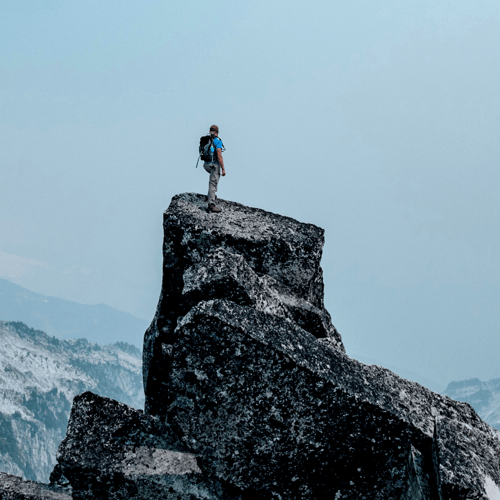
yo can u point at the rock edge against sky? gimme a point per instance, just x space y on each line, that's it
250 394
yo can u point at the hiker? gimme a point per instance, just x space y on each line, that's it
213 167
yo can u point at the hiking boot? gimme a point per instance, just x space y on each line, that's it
213 209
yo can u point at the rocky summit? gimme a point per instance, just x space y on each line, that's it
255 259
250 394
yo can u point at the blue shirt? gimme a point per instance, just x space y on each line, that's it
217 144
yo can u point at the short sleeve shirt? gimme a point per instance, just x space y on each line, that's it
217 144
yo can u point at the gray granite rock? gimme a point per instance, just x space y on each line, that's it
272 408
284 253
112 451
15 488
223 274
250 394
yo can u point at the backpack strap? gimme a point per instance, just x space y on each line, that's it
223 147
212 145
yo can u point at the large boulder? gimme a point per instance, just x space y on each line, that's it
112 451
15 488
245 254
246 377
269 407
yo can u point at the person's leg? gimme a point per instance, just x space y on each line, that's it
212 183
209 167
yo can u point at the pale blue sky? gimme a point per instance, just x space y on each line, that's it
376 120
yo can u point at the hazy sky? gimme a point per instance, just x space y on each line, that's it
376 120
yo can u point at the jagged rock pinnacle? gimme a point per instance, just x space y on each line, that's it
244 371
242 254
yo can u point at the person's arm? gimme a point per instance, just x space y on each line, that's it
221 160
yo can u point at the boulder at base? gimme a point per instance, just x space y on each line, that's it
15 488
112 451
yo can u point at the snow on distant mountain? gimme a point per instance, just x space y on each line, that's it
69 320
39 376
484 397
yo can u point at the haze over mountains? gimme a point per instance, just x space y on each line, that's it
39 376
69 320
484 397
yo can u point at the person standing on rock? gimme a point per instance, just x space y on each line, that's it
214 168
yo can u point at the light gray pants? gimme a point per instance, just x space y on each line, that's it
214 170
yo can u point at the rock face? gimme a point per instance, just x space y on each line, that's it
245 375
251 257
39 376
14 488
112 451
484 397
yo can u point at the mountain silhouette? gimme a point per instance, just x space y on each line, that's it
69 320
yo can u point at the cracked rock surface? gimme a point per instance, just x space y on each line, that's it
270 407
15 488
245 254
112 451
250 394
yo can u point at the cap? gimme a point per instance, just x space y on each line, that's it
214 128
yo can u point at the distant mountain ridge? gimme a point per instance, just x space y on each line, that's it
39 376
484 397
69 320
